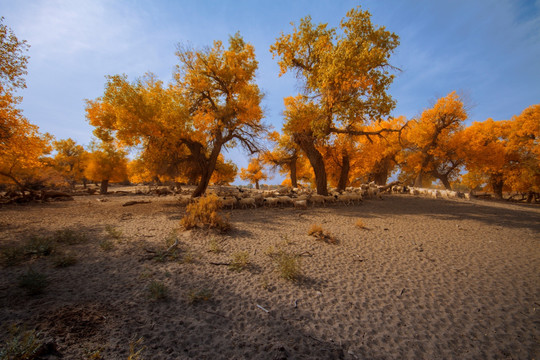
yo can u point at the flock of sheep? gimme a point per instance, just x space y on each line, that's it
238 198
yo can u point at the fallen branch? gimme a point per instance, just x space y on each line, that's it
129 203
219 263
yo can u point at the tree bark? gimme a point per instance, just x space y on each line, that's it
418 180
257 184
344 173
104 187
292 173
446 183
497 183
307 143
207 167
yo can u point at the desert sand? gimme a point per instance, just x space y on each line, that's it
426 279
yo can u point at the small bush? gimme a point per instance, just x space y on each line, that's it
239 261
106 245
215 247
288 266
21 345
65 260
40 246
13 255
113 232
158 290
33 282
360 224
197 296
203 213
318 232
69 237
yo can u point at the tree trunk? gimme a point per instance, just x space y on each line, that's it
257 184
418 180
344 173
306 143
446 183
104 186
496 182
207 167
292 173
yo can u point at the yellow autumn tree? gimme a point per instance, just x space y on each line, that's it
284 157
213 104
432 146
345 76
254 173
106 163
70 160
22 146
225 172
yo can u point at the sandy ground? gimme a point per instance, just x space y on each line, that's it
427 279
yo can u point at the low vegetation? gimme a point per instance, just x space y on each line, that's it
239 261
203 213
33 282
360 224
288 265
196 296
158 290
20 345
319 233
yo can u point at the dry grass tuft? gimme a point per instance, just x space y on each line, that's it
239 261
196 296
203 213
360 224
319 233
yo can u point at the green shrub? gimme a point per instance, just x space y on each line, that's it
158 290
40 246
239 261
33 282
106 245
288 266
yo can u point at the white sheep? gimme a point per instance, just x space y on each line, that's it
271 201
317 199
300 204
244 203
228 202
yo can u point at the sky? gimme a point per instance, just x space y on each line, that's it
487 50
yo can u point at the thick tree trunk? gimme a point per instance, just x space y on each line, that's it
344 173
292 173
381 175
418 180
446 183
306 143
207 167
496 182
104 187
257 184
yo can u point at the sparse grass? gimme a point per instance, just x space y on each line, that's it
288 266
21 345
69 237
203 213
40 246
106 245
196 296
33 282
319 233
113 232
13 255
239 261
215 246
93 354
188 258
360 224
64 260
158 290
135 354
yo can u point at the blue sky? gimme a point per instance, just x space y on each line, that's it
488 50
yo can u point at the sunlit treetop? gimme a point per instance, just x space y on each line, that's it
12 59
